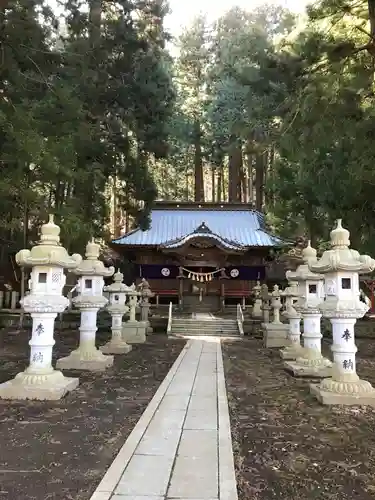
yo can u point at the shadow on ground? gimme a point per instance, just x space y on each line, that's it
60 450
286 445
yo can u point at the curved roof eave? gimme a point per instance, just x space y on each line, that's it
196 235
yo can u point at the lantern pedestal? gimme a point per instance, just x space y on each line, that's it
44 386
116 345
87 356
291 352
40 381
345 387
310 362
294 350
314 367
360 393
134 332
275 335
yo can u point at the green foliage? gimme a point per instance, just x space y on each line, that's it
81 103
325 148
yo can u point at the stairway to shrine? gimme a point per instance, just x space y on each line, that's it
205 324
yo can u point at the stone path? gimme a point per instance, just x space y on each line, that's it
181 447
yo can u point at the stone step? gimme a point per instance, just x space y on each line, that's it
211 324
203 322
204 327
196 327
211 328
206 334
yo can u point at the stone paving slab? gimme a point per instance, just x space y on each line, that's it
181 447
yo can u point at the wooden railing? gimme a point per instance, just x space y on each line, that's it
240 319
169 327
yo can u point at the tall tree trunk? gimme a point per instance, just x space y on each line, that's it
249 152
272 171
198 163
259 180
235 166
213 187
187 178
223 187
243 183
250 176
220 183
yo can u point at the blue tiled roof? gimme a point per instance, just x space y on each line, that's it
241 227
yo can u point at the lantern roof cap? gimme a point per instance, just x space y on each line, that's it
91 265
48 251
340 257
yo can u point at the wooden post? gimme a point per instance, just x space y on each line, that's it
222 296
180 293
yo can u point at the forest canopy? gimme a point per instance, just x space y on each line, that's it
99 117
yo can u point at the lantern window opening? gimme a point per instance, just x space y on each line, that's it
88 283
313 289
42 278
346 283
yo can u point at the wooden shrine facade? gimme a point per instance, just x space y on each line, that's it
201 254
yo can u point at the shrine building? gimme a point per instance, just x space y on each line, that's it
201 254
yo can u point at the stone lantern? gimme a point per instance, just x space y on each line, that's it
293 314
47 260
116 308
276 305
310 361
342 306
266 307
91 275
257 308
276 332
146 295
133 331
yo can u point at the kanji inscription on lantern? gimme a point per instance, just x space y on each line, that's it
346 335
39 329
347 364
38 357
